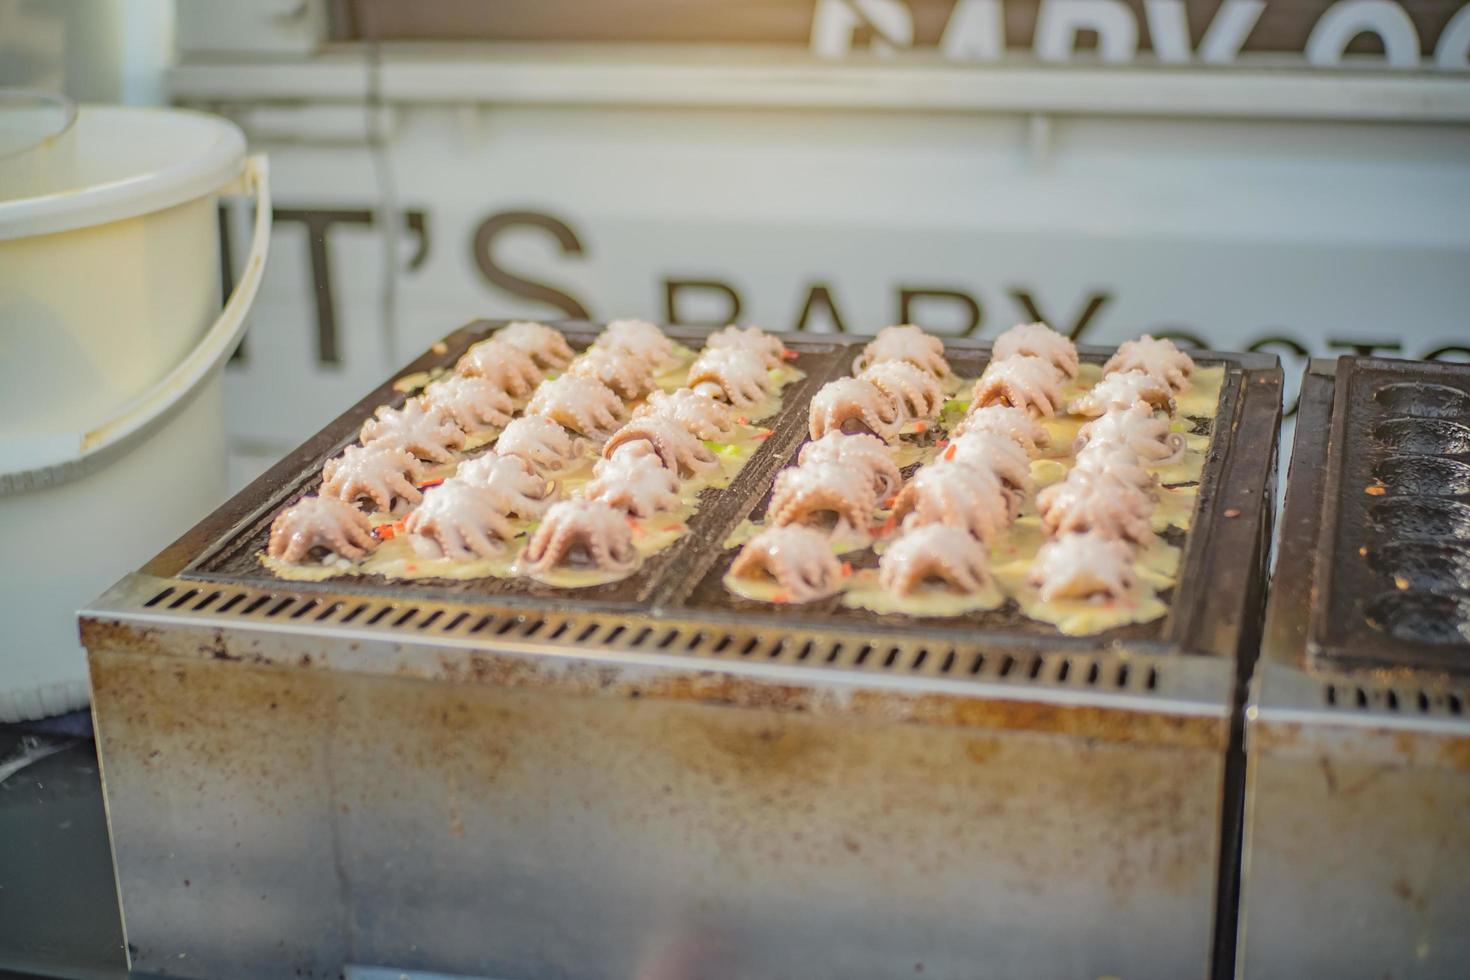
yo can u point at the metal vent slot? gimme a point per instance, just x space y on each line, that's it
895 655
159 598
254 604
1353 697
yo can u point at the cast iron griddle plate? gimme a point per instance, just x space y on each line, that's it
686 577
711 593
720 509
1395 590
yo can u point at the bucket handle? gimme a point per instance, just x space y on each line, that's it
29 464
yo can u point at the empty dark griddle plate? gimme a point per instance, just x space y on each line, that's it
1429 437
1431 476
1424 400
1421 617
1421 517
1424 566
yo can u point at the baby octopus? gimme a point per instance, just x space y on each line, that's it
521 491
635 481
1090 501
477 405
584 405
1038 340
1015 424
383 474
1084 566
912 392
630 377
588 532
731 374
545 446
545 346
1124 389
956 496
676 449
698 413
859 451
932 553
1004 459
769 348
640 339
1024 381
851 405
812 495
428 433
1114 461
1138 428
320 523
461 521
503 364
905 343
798 558
1159 359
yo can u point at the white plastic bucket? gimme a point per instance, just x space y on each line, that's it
112 342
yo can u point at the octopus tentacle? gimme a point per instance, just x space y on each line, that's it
1084 566
957 496
851 405
1037 340
1015 424
1000 456
1091 501
503 364
766 346
905 343
934 552
1114 461
639 339
544 345
634 480
629 377
582 531
460 520
677 450
731 374
515 482
1157 358
1138 428
320 523
865 452
809 494
584 405
383 474
477 405
912 392
798 558
428 433
1023 381
1124 389
545 446
702 416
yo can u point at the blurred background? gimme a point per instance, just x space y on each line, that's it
1291 177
